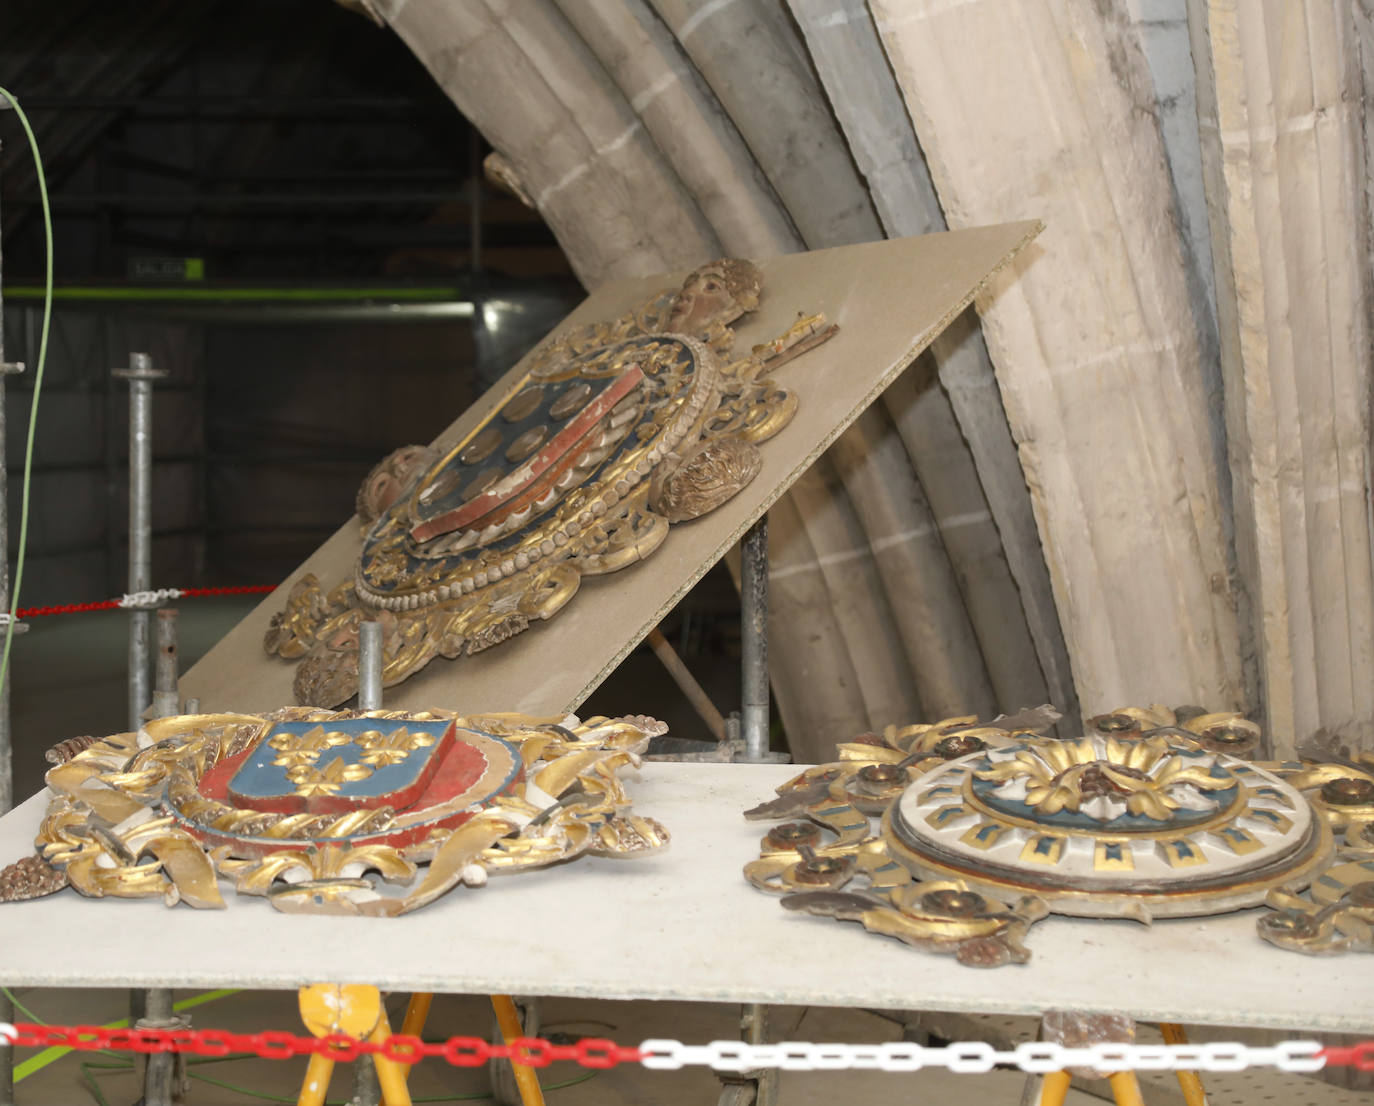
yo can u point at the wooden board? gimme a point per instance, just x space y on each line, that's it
679 925
890 299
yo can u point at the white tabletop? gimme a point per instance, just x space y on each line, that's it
679 925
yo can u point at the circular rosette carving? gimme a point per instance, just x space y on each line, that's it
389 478
328 675
1337 916
1101 826
1341 793
707 477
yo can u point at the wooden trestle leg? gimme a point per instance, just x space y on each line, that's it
508 1018
1189 1081
354 1010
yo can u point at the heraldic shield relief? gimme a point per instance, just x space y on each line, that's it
615 431
332 812
957 837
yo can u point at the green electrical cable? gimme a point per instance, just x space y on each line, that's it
37 383
88 1079
21 1007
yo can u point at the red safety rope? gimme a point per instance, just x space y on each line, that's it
237 589
115 604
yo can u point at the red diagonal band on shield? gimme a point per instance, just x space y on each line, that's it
561 448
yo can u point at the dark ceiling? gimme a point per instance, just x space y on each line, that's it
272 139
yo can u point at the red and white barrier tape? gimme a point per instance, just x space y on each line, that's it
969 1057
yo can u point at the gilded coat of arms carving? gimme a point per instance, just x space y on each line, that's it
615 431
334 812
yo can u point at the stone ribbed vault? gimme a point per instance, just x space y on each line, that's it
1122 485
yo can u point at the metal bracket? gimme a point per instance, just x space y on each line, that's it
140 368
164 1073
754 1087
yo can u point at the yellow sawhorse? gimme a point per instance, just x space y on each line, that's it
356 1011
1125 1086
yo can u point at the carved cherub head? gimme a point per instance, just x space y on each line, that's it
717 293
389 478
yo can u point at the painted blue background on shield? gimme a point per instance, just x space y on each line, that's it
259 778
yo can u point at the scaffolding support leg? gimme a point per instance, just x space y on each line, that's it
754 640
140 374
754 730
370 665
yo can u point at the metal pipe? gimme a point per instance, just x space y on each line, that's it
687 684
367 1088
146 1008
754 1026
166 701
370 665
140 374
754 640
6 753
159 1072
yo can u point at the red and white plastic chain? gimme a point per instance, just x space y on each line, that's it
535 1052
139 600
665 1055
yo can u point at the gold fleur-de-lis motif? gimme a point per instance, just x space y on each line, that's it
303 750
328 780
381 749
